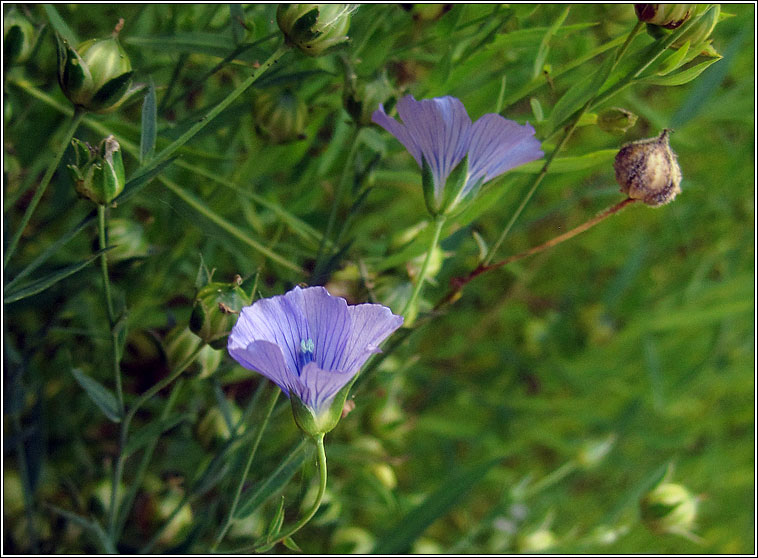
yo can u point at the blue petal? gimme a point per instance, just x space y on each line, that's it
316 387
329 324
440 128
498 145
265 358
371 324
398 130
278 320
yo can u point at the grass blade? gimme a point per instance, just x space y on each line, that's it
412 526
48 281
276 480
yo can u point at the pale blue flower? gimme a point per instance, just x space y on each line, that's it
308 342
439 133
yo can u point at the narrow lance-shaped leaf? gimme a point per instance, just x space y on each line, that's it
149 126
44 283
275 481
410 527
680 78
100 395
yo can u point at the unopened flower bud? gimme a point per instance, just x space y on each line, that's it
215 312
96 75
18 37
616 120
647 170
98 173
313 28
669 508
669 16
281 118
662 18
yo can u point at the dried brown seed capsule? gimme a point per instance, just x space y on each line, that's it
647 170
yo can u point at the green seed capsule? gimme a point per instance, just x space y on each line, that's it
97 75
314 28
98 174
19 37
215 311
280 118
669 508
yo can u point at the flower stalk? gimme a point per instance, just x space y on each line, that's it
457 283
567 134
321 455
439 223
274 397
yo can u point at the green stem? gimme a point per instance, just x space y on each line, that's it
202 208
126 506
566 135
195 491
23 467
119 469
164 155
439 222
193 202
238 493
347 172
319 440
102 228
74 124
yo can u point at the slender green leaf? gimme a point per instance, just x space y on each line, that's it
674 60
60 26
92 526
223 405
544 48
237 17
149 125
39 285
400 538
52 249
277 521
211 44
570 164
100 395
679 78
277 480
581 92
291 544
147 434
202 208
136 183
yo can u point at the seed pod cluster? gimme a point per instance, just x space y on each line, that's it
647 170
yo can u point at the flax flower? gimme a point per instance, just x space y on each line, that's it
457 156
311 344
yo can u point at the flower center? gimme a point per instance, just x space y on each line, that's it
306 351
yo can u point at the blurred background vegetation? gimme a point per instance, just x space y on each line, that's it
635 339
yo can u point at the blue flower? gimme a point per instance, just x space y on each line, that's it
443 140
311 344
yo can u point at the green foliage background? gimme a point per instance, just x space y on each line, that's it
641 329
